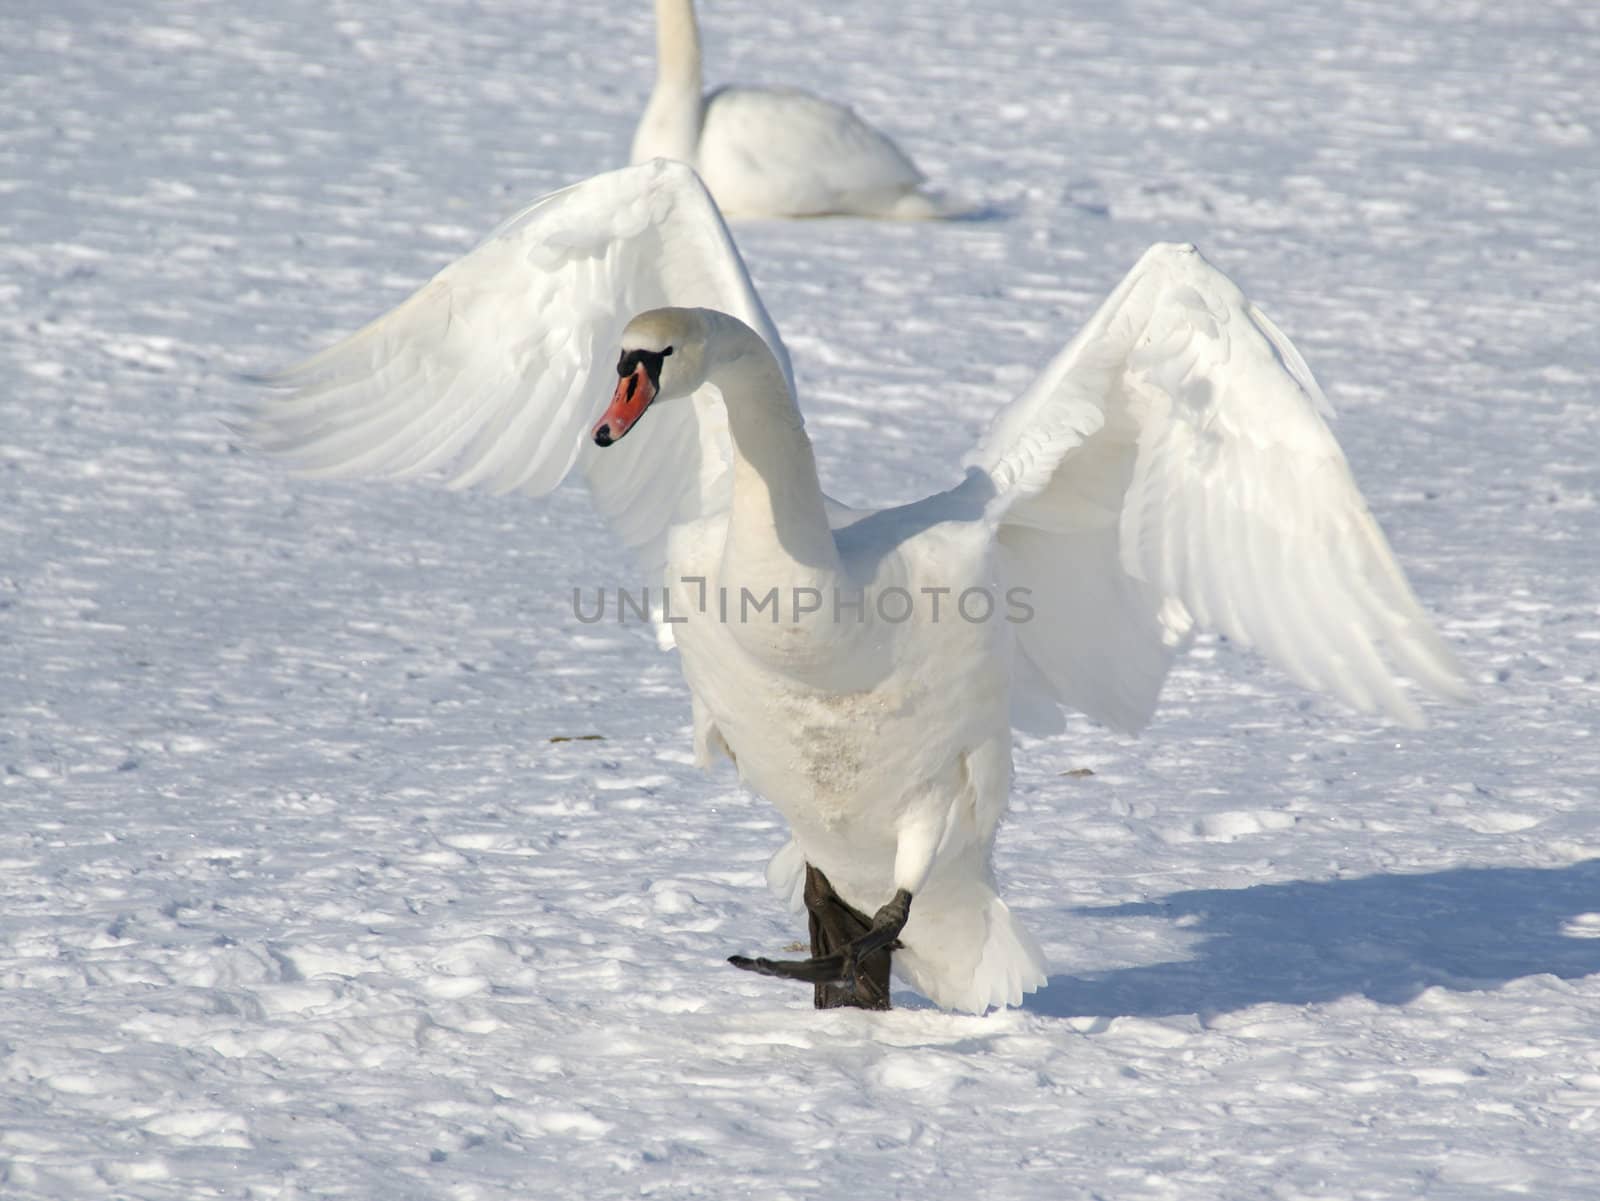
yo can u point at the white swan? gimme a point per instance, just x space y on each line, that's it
770 152
1169 468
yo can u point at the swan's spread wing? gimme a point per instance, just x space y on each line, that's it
769 150
495 369
1173 467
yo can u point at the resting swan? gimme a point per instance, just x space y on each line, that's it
1169 469
770 152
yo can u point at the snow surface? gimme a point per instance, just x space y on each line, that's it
299 898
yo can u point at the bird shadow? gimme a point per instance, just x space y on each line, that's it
983 212
1386 937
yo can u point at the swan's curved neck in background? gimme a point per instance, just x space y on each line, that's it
677 44
778 532
670 127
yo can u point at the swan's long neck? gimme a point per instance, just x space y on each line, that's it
778 532
670 127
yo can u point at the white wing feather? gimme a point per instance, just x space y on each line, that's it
495 369
1172 467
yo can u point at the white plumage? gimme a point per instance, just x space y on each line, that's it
770 152
1169 469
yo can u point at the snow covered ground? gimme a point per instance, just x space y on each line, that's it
300 895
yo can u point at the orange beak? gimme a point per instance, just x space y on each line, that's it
628 403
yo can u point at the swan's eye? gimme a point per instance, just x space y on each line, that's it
650 360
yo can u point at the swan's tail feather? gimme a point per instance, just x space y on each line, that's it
971 954
786 875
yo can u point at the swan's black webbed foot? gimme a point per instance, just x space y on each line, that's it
825 969
849 964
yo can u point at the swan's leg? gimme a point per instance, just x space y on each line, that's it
834 925
844 965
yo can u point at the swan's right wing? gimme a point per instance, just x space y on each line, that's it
494 371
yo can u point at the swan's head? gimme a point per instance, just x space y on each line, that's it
663 358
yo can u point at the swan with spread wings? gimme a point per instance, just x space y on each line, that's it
1170 469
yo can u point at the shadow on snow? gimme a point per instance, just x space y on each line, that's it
1386 938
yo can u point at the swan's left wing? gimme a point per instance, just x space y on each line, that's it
494 371
1172 467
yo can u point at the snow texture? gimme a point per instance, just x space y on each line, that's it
312 884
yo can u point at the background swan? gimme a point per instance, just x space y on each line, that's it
1169 468
769 152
